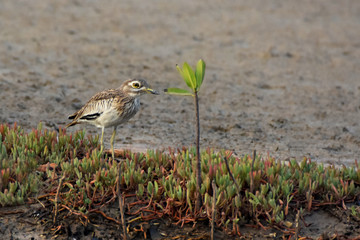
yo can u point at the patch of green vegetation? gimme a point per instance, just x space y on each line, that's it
157 184
26 157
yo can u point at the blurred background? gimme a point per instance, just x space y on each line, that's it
282 77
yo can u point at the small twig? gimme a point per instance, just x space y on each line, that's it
252 173
121 201
262 226
104 215
11 212
57 197
46 195
77 213
143 208
213 210
40 202
297 226
135 219
232 177
1 182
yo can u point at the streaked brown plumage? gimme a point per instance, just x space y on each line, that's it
112 107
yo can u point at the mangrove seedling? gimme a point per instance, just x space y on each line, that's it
193 80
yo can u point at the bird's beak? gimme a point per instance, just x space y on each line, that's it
149 90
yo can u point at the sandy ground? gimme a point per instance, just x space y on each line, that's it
282 77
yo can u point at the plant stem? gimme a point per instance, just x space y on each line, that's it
297 225
213 210
121 201
232 176
57 197
252 173
198 165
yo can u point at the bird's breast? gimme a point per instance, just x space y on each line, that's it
119 113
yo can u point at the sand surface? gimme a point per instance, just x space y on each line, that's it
282 77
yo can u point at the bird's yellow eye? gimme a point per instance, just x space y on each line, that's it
136 85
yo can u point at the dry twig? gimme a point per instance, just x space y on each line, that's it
57 197
228 169
297 226
252 173
213 210
121 201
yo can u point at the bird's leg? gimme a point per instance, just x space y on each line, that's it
102 139
112 142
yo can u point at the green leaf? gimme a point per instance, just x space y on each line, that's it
178 91
184 76
189 73
200 73
150 188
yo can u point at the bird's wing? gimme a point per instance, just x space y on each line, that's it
96 106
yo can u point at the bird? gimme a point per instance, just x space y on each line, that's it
110 108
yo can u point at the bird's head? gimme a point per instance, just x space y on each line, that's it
137 87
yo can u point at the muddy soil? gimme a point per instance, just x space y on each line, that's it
282 77
34 222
